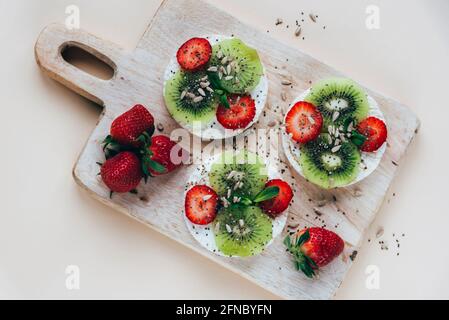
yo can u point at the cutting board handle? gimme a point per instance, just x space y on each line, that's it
55 38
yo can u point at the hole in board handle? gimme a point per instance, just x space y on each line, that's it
86 61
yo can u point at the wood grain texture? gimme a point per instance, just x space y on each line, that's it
138 78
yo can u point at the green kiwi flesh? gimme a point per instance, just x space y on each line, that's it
339 95
242 231
235 59
329 169
181 104
244 168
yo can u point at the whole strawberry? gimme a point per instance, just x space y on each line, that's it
158 158
313 248
122 173
129 128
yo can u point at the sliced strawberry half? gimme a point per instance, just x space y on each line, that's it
281 202
239 115
194 54
304 122
376 132
201 205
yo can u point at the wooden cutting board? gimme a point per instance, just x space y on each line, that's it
138 78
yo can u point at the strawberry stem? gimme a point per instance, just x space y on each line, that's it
301 261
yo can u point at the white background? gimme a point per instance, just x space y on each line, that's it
47 222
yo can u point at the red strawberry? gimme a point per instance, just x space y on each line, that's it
314 248
376 132
122 173
281 202
128 127
239 115
194 54
160 156
201 205
304 122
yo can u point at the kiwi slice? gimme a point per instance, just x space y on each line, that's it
242 231
238 66
339 99
328 166
244 174
188 99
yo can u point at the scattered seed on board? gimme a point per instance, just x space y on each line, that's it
279 21
298 31
160 127
286 82
312 17
380 232
284 96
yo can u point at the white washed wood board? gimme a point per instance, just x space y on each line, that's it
138 78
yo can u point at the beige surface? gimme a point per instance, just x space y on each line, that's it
49 223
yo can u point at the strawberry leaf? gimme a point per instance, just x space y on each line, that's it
267 194
156 166
357 138
303 238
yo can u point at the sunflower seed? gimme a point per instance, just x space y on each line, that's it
298 31
201 92
208 197
204 84
312 17
229 78
225 202
210 89
229 193
284 96
241 223
204 78
213 69
330 129
228 228
311 120
217 227
191 95
231 175
224 60
198 99
343 138
183 94
337 142
286 82
335 116
329 139
229 69
220 54
223 70
336 149
220 75
351 127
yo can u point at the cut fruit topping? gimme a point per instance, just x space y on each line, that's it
242 231
375 131
304 122
280 203
240 113
201 205
328 166
194 54
338 100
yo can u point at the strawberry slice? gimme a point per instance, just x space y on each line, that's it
194 54
304 122
239 115
201 205
376 132
280 203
